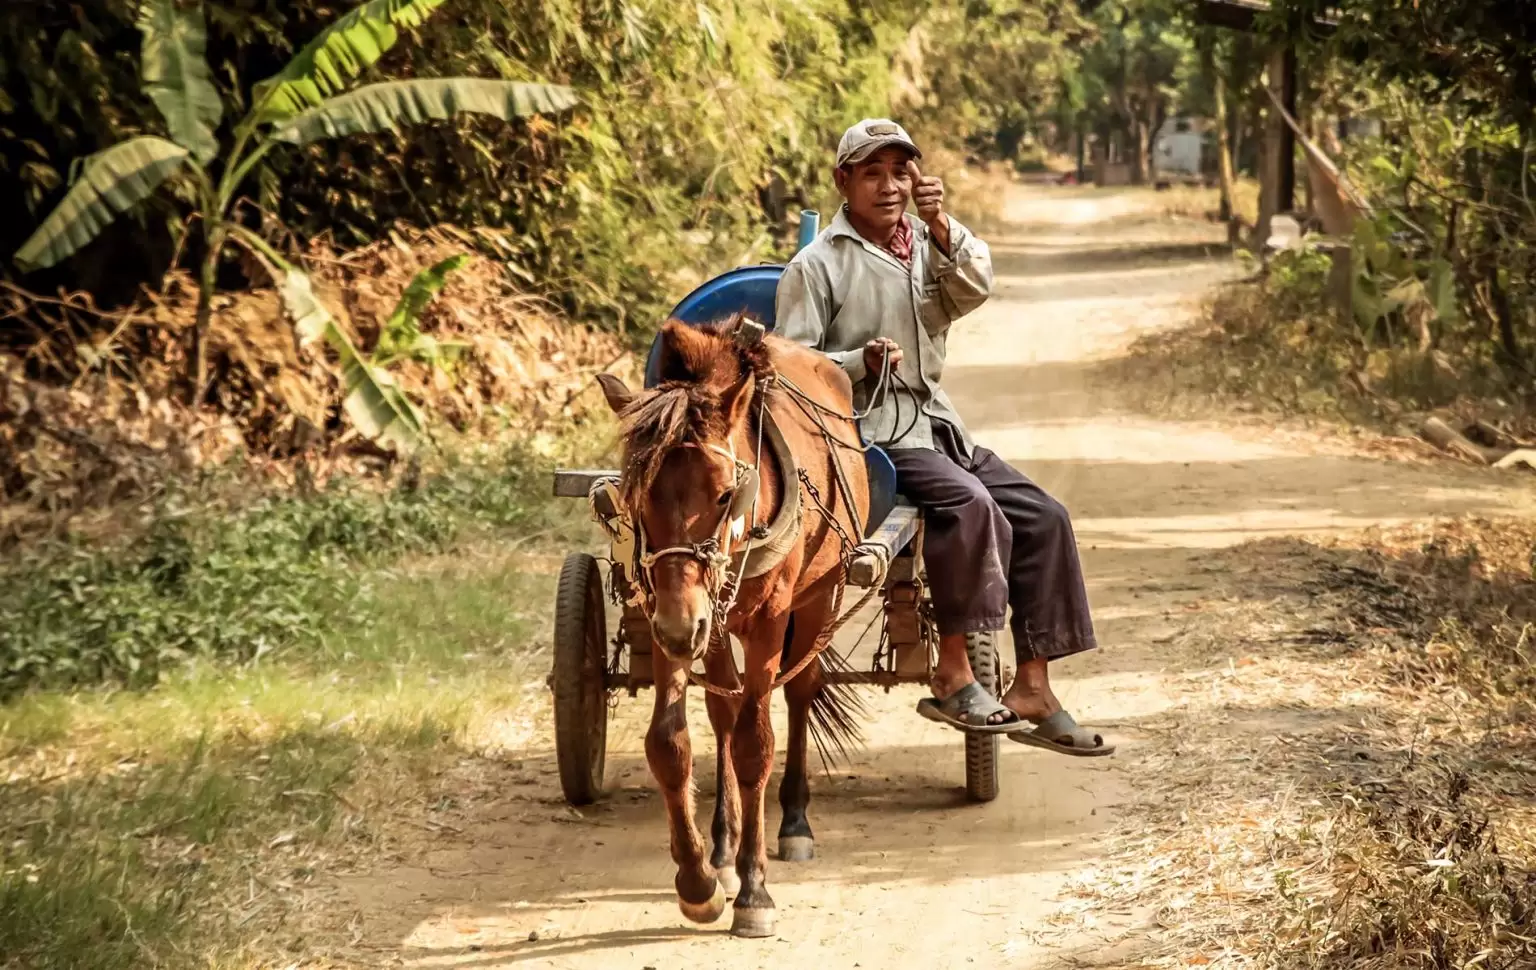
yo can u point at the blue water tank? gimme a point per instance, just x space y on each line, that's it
748 290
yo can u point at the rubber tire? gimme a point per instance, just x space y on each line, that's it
581 696
981 749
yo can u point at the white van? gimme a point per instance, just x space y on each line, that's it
1180 153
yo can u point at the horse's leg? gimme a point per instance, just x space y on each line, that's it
725 830
796 844
670 755
752 749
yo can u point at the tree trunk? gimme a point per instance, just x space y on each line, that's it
198 358
1272 163
1156 112
1505 316
1082 136
1138 137
1223 147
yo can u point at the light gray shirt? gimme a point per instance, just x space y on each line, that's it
842 291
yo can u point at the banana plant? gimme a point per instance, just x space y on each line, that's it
401 337
310 99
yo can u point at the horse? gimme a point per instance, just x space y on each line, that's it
743 484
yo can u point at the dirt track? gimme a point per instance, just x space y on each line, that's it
907 874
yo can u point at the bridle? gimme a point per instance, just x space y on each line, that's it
715 551
732 529
736 525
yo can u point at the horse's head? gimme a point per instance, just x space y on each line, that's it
688 484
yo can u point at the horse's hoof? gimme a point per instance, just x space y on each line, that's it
753 923
730 882
796 848
706 912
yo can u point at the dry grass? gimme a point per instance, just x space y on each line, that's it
1197 202
1350 783
1265 347
91 415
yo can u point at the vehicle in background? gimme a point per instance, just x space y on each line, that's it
1184 152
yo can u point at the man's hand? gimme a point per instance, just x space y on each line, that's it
928 196
877 352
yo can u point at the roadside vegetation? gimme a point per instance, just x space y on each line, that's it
307 299
1377 808
261 689
1424 305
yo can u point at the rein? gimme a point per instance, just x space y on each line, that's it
736 522
718 630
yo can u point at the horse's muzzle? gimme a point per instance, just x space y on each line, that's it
682 638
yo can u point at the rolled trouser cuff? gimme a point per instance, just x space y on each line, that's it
1034 644
952 626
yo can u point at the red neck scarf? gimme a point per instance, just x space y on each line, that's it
900 244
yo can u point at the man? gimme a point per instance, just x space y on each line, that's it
877 292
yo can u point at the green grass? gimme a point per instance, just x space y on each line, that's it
172 821
129 815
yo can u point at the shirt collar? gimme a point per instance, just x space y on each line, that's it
842 227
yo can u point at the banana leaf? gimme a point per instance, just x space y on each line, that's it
373 402
401 336
389 104
174 68
335 58
111 182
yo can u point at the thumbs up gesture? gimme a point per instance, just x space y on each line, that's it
927 195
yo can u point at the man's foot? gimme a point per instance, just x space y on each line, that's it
1031 697
943 691
952 674
973 710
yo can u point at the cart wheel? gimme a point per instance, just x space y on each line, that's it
981 749
581 696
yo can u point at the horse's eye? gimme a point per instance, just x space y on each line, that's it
725 498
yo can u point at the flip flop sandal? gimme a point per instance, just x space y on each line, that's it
968 709
1061 733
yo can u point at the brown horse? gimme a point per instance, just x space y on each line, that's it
718 460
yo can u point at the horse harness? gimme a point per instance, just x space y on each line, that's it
761 548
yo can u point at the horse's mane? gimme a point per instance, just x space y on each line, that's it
699 367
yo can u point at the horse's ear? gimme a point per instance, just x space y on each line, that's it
737 400
617 392
685 352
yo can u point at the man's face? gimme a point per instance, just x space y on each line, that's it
877 189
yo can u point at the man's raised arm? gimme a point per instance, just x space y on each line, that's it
964 274
803 312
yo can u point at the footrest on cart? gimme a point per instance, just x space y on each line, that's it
884 544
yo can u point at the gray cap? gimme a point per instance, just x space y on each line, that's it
871 135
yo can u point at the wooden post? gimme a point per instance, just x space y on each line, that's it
1269 154
1082 136
1286 201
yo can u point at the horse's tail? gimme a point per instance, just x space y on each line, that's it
837 713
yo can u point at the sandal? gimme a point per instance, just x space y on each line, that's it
1061 733
969 709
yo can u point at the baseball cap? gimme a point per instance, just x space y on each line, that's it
871 135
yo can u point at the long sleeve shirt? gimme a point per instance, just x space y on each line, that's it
843 291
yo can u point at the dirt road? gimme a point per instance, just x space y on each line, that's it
907 873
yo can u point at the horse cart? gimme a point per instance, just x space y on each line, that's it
593 662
